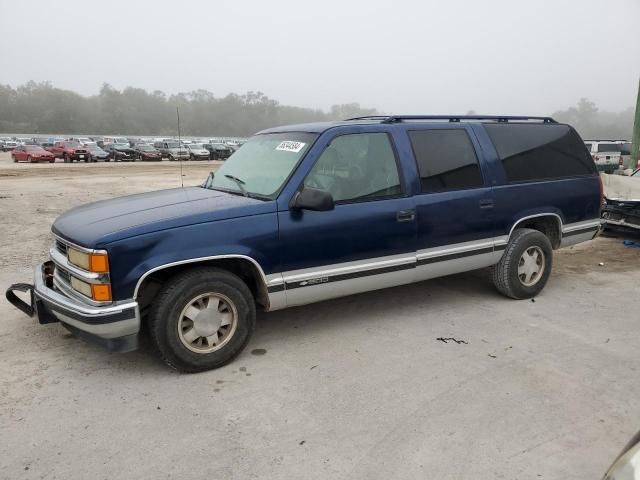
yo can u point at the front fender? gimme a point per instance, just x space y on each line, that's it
254 237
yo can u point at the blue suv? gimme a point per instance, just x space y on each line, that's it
306 213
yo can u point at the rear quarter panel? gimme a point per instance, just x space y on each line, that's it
573 199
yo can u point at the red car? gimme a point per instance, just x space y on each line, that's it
32 153
69 150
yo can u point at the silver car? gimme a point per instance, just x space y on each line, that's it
172 150
197 151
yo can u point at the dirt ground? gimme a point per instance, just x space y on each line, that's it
354 388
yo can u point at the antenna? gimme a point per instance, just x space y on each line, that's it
179 147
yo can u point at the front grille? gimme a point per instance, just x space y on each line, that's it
63 274
61 247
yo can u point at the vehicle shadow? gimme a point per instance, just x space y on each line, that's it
303 322
435 294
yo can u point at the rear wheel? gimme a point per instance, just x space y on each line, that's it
65 158
202 319
525 266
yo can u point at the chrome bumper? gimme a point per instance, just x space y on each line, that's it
115 326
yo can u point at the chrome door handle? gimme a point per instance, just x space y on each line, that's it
406 216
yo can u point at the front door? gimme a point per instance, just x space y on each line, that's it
368 241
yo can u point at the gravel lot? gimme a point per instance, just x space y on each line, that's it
356 388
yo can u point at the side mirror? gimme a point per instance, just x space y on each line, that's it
312 199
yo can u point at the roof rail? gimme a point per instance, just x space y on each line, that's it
453 118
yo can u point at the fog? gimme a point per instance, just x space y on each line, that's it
494 56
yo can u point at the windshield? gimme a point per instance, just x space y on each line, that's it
71 144
94 148
146 148
196 146
120 145
32 148
263 164
173 145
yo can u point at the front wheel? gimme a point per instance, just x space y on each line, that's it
525 266
202 319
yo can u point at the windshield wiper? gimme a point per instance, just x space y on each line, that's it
238 182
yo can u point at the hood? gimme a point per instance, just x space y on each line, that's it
96 224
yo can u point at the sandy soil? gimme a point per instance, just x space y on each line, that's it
356 388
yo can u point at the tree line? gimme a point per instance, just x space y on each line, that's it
595 124
42 108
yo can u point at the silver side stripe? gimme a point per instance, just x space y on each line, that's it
454 249
581 227
382 265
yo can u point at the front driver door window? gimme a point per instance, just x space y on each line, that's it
357 167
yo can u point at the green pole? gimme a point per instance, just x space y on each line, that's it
635 148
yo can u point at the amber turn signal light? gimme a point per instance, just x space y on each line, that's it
101 292
98 263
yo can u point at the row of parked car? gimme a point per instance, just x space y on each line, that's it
117 149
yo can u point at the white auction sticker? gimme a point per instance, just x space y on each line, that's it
289 146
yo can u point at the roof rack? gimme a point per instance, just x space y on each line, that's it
453 118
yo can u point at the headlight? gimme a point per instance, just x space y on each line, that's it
92 262
80 286
100 292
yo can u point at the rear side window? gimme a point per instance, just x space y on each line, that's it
540 151
446 160
625 148
608 147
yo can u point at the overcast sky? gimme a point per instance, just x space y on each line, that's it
428 56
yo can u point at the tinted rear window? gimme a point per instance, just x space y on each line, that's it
540 151
625 148
446 160
608 147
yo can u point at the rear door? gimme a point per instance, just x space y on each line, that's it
455 205
368 241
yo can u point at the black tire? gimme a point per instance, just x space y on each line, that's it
53 160
65 158
176 295
505 273
171 159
